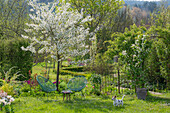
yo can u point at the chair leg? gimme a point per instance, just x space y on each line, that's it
63 96
82 93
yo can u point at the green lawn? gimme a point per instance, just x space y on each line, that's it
92 104
154 103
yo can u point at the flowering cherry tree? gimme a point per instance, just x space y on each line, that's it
60 28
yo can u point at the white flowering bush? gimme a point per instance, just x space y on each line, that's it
6 100
135 57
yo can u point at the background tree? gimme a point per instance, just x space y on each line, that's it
160 33
138 15
103 12
13 15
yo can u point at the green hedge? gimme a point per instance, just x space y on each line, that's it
11 55
66 72
75 69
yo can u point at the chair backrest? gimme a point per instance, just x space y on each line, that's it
77 83
46 85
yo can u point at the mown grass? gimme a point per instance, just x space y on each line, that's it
89 104
92 104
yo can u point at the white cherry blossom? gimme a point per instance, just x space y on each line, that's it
63 33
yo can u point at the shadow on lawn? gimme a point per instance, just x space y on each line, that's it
151 98
94 104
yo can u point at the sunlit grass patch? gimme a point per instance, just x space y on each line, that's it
89 104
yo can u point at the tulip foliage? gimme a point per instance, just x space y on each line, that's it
60 31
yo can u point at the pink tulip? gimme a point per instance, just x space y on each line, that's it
86 86
54 82
93 86
28 81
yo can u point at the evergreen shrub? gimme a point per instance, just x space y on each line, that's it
11 55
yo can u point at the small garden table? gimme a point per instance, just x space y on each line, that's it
66 93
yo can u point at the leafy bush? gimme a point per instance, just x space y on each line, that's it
99 65
95 79
11 55
25 87
88 89
62 86
128 91
7 88
1 82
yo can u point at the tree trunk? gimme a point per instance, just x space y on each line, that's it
118 81
135 88
168 83
105 84
57 78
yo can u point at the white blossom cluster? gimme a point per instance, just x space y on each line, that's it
5 99
62 29
140 50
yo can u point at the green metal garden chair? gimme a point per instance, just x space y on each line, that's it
46 84
77 84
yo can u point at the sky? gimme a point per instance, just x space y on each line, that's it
150 0
146 0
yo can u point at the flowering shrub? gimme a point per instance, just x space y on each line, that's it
88 89
30 85
134 55
91 89
6 100
7 88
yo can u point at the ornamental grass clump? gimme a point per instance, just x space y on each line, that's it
8 84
